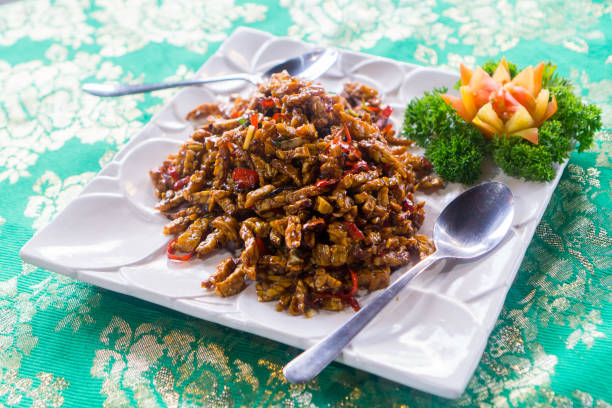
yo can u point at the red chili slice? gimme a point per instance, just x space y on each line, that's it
326 183
387 111
355 284
267 102
181 183
261 246
408 205
354 230
339 142
245 178
354 304
387 128
171 255
254 120
348 134
372 108
279 115
358 166
345 145
347 297
172 172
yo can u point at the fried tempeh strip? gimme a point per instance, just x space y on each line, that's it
233 284
255 195
189 239
293 232
298 301
250 253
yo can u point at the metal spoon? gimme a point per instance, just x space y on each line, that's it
309 66
471 225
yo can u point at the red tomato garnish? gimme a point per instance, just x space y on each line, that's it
482 85
171 255
504 104
279 115
254 120
245 178
523 96
326 183
181 183
354 230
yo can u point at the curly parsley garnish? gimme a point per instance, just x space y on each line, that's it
457 148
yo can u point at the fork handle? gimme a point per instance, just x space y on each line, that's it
311 362
125 89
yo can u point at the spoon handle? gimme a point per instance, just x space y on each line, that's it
126 89
311 362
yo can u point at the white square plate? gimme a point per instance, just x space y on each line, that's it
431 338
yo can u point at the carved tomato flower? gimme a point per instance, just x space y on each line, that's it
501 105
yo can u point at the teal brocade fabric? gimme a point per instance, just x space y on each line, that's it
66 343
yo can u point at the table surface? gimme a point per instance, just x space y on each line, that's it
66 343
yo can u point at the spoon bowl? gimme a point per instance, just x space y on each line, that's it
473 224
308 66
475 221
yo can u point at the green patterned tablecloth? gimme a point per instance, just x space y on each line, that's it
66 343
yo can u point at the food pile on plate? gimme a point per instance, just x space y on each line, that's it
313 190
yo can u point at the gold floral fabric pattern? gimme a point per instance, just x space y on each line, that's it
64 343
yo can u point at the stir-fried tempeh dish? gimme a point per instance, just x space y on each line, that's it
315 188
